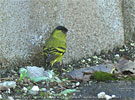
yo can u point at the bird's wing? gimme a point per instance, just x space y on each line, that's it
52 53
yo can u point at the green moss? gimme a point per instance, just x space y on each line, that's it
103 76
127 78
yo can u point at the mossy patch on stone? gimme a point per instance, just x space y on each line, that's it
103 76
128 78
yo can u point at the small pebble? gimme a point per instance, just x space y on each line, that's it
34 90
73 85
7 84
117 55
8 91
73 93
87 65
89 59
10 98
122 50
0 96
51 89
25 89
95 57
101 95
78 83
97 62
108 97
83 61
132 44
113 96
43 89
52 92
43 82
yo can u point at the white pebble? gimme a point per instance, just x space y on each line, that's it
8 91
43 82
69 65
10 98
0 96
51 89
132 44
89 59
83 61
40 37
95 57
7 84
52 92
113 96
25 89
78 83
101 95
117 55
35 88
108 97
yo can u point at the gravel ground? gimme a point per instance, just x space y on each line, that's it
122 89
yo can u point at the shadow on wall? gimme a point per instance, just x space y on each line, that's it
36 57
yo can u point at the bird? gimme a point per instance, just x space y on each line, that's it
55 46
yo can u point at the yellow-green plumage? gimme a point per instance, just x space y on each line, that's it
55 46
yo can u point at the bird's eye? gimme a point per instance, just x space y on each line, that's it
64 31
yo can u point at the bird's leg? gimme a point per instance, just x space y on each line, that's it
60 68
48 66
57 68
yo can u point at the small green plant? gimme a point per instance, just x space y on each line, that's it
23 73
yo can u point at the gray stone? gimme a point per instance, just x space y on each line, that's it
25 24
7 84
126 66
75 74
84 74
10 98
35 72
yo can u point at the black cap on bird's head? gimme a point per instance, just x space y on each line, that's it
62 28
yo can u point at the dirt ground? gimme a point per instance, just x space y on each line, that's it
123 90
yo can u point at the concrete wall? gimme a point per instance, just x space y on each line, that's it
94 25
129 18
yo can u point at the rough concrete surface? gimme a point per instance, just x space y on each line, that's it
129 18
94 25
123 90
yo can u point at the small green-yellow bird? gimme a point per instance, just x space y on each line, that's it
55 46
